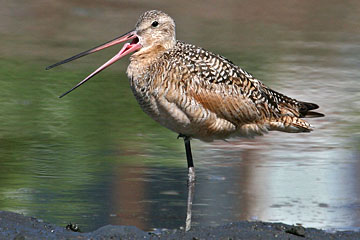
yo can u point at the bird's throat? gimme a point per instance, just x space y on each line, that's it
142 59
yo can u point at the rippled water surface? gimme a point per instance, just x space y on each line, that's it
94 158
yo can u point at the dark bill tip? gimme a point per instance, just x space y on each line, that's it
122 38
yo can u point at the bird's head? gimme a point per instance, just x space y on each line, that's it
153 29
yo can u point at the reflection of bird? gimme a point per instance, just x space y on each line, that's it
196 93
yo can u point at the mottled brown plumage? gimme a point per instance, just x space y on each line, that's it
196 93
203 95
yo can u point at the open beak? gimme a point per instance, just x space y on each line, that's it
126 49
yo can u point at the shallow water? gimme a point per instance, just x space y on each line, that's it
94 158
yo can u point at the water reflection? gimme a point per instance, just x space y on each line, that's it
94 158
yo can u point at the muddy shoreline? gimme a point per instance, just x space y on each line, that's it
17 226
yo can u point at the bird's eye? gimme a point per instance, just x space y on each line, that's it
154 24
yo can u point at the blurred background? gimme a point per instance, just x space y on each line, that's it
94 158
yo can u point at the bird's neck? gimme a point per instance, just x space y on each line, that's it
149 52
141 60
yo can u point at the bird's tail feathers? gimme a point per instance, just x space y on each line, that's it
289 124
305 110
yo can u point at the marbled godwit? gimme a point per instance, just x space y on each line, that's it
196 93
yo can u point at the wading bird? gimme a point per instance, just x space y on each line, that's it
196 93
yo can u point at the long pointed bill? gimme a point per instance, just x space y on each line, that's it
127 48
123 38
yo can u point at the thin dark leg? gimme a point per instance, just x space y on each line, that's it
188 152
190 162
191 181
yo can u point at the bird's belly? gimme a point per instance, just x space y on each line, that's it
189 119
171 116
165 113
